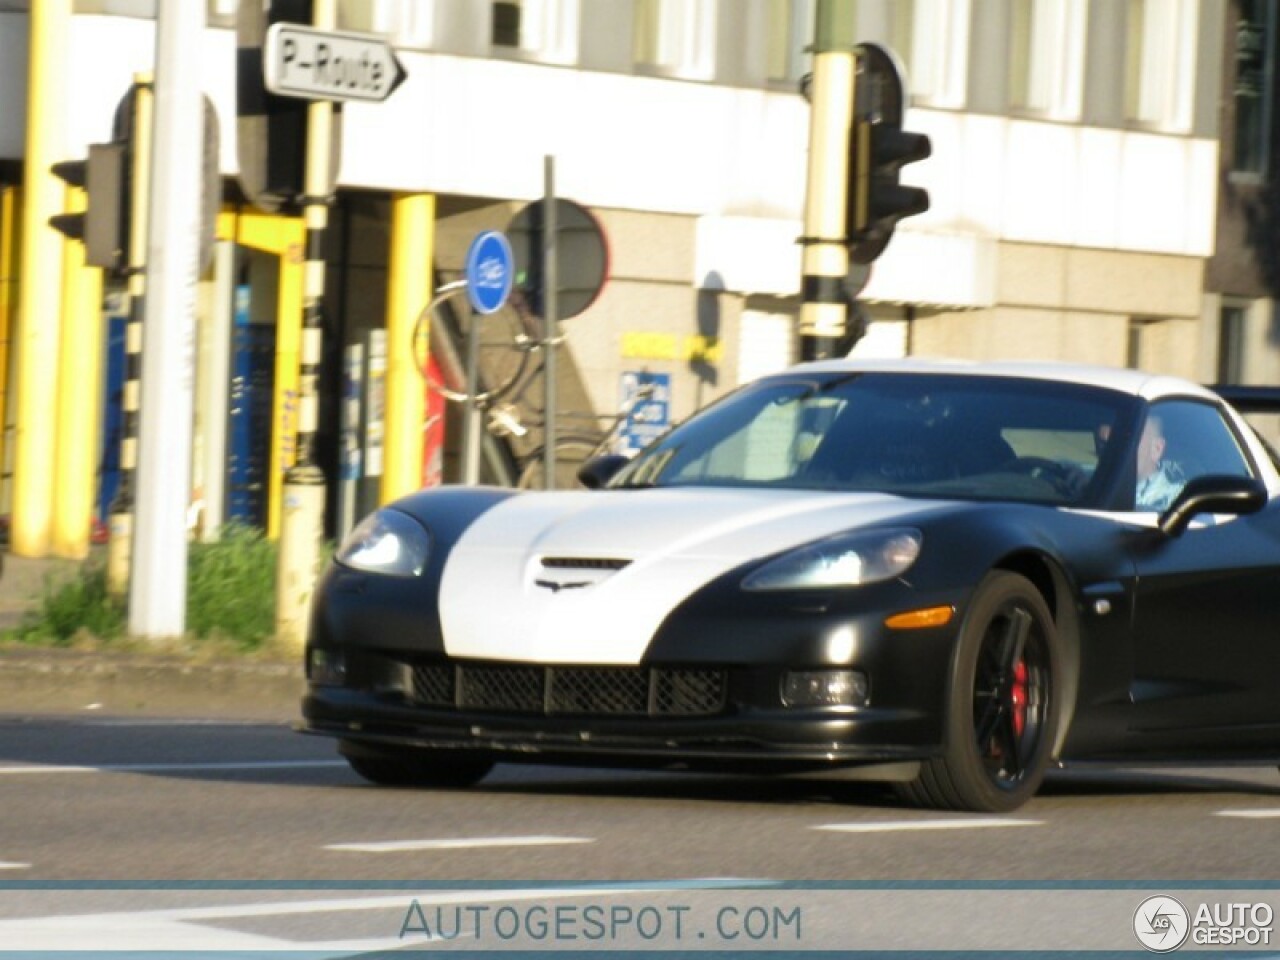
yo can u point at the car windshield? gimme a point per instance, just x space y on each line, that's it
929 435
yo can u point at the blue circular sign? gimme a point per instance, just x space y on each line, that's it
490 271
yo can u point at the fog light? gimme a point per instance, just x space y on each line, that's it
326 668
824 688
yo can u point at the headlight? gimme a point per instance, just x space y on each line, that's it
849 560
386 542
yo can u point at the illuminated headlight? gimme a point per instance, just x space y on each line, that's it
386 542
849 560
824 688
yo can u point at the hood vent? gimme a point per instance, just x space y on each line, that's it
584 563
575 573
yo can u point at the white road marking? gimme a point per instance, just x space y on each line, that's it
176 767
1258 814
892 826
14 866
456 843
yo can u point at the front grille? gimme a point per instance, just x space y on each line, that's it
570 691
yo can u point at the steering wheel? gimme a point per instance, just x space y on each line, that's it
1066 478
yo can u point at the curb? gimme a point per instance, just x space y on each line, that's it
59 681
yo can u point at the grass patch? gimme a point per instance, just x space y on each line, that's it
231 603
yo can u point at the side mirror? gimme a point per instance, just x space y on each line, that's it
598 471
1212 493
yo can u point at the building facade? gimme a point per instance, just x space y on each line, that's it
1078 157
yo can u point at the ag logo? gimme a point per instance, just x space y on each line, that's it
1161 924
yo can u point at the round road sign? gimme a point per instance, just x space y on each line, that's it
490 271
582 256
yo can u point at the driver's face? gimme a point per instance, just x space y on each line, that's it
1150 448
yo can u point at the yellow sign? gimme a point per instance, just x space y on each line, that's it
650 345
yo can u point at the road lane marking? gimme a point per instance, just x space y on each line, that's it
892 826
14 866
454 843
1258 814
175 767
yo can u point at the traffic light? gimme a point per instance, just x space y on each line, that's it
271 131
104 225
879 149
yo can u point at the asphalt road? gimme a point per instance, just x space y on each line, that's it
147 799
104 802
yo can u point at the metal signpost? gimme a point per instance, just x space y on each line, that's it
321 65
490 276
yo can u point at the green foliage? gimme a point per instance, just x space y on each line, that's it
73 608
231 587
231 601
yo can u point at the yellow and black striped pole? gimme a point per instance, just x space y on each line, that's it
302 517
120 512
824 307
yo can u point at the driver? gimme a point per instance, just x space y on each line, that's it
1159 480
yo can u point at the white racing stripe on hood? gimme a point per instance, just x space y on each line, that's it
677 540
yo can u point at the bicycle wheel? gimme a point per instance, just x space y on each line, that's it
572 452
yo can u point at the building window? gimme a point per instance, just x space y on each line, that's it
1231 340
932 36
790 31
1161 58
676 37
1047 57
406 23
543 29
1255 68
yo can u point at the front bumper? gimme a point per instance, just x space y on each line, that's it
751 728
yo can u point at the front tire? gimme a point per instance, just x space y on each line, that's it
417 768
1002 710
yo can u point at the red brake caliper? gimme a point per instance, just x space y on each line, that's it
1018 697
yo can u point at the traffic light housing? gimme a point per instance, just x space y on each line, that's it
271 131
104 224
879 149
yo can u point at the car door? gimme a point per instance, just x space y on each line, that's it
1206 628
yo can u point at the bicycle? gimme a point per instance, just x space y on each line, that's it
506 405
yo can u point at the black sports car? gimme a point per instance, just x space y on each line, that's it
947 575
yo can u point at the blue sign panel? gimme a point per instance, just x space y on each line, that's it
490 272
646 401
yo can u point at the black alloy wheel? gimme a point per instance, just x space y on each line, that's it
1002 715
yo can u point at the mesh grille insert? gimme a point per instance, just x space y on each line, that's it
571 691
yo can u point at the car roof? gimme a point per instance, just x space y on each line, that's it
1134 382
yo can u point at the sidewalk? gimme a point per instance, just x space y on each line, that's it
38 680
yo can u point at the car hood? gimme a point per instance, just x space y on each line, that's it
588 576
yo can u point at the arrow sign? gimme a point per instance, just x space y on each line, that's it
299 61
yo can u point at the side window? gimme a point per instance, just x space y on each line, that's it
1182 440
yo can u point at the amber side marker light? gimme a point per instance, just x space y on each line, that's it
919 619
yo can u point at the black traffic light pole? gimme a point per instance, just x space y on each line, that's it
120 512
825 260
857 148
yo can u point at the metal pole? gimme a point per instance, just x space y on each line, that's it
158 587
551 311
471 412
825 262
213 375
302 523
120 513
